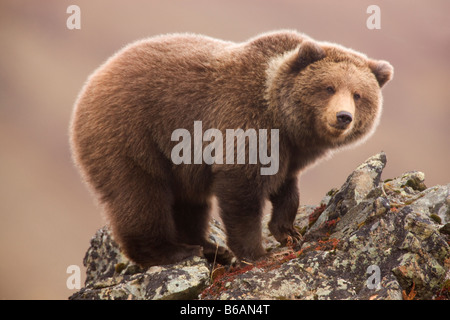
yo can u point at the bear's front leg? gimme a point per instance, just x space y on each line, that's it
240 202
285 205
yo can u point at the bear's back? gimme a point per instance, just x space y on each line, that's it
161 84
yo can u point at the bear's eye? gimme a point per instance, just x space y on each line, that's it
356 96
330 89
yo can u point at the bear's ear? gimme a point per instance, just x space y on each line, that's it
382 70
308 53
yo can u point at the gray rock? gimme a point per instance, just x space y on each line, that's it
367 240
111 275
359 184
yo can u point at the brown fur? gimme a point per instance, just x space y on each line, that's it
125 115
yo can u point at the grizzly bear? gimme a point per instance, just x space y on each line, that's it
313 97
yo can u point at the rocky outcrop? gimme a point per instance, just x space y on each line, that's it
370 239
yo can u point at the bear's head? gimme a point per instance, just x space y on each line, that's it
328 95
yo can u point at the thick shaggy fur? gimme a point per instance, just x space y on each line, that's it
126 113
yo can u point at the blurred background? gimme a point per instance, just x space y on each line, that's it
47 215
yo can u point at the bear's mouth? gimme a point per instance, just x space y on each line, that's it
338 130
339 126
342 122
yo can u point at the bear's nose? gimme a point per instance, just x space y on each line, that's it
344 118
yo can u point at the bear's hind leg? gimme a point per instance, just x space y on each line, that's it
241 204
139 207
192 224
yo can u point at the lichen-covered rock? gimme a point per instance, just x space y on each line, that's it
372 240
367 240
111 275
359 184
104 259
